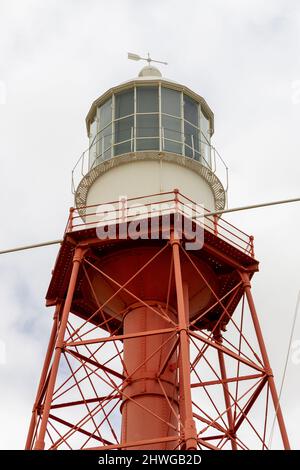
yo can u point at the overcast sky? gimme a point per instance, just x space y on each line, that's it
56 57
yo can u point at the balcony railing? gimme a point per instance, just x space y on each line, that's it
161 139
160 204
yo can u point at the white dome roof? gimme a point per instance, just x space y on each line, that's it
150 71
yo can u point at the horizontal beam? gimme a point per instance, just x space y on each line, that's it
231 379
88 400
137 443
120 337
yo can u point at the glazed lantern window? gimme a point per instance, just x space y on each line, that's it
149 117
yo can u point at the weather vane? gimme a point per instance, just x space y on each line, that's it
148 59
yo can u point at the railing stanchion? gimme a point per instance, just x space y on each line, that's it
211 221
251 238
176 200
82 163
70 225
216 225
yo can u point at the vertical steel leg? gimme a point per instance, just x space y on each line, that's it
265 358
41 386
40 442
189 431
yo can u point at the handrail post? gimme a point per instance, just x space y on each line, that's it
176 199
72 183
71 216
215 225
177 215
123 209
251 239
131 139
82 163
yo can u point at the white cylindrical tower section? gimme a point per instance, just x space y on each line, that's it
148 136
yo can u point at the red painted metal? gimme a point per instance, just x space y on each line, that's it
87 216
148 390
247 286
150 347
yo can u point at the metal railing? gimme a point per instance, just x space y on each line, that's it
159 204
99 151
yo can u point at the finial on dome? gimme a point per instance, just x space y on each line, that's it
149 70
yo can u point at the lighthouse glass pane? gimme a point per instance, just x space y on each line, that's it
124 129
171 134
147 125
205 152
170 102
124 104
105 114
125 147
147 144
191 141
171 128
190 110
205 140
204 126
92 143
146 129
105 143
147 99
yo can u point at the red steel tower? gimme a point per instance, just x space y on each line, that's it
156 342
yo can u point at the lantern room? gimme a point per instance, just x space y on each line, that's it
149 113
149 135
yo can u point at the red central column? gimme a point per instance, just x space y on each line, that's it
150 401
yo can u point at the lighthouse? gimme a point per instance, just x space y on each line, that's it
151 290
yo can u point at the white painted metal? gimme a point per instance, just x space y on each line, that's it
148 172
137 177
148 58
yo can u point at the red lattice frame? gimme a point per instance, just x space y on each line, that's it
224 379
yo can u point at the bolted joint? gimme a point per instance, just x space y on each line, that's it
190 435
247 284
232 435
180 328
61 346
78 255
218 338
39 409
245 280
174 241
172 367
269 372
